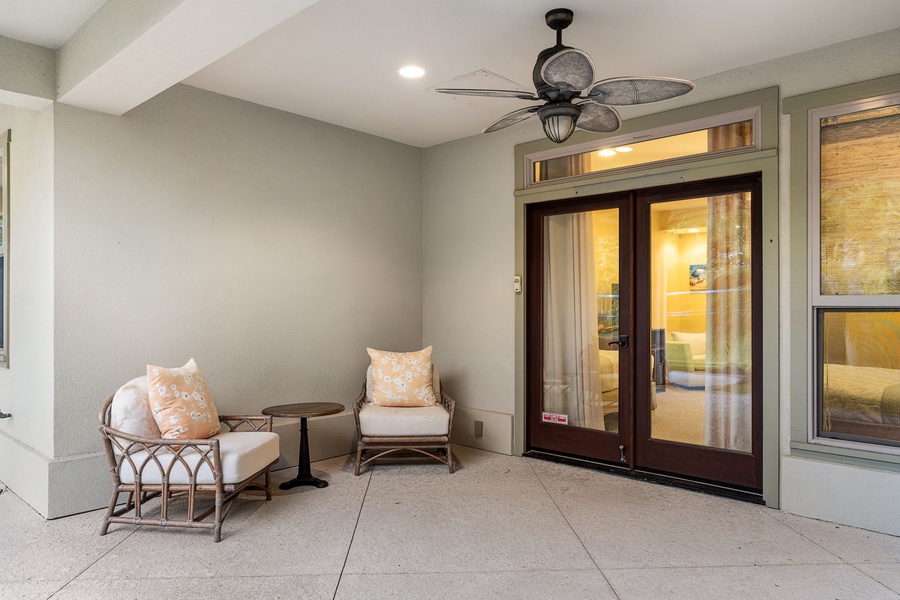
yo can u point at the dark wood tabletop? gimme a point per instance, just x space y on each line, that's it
303 409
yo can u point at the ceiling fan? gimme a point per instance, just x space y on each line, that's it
562 76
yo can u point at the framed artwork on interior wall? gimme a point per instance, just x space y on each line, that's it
697 278
4 248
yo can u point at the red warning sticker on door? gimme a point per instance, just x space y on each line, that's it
555 418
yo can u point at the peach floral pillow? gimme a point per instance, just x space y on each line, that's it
402 378
180 402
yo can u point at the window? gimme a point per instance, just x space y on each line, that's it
693 140
854 192
4 249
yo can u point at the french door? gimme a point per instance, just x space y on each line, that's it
643 329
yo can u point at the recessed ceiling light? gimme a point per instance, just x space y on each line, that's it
607 152
412 71
623 149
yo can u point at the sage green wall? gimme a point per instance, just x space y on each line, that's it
270 247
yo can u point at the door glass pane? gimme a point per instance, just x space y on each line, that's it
580 378
701 321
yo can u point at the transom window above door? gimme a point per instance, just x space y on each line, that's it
723 134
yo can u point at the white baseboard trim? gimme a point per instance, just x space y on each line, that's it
497 430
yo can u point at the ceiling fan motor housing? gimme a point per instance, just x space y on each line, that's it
544 90
557 19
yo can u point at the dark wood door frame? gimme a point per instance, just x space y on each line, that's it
734 469
737 469
588 443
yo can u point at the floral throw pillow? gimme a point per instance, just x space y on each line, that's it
180 402
402 378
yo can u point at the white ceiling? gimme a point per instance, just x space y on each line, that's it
47 23
337 60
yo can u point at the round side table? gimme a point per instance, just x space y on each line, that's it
302 411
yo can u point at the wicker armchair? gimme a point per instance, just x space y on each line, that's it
148 467
384 430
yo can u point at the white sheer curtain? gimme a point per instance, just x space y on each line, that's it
571 378
728 398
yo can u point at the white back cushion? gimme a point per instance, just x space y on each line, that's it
130 411
697 341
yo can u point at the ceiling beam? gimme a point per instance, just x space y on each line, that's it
27 74
128 52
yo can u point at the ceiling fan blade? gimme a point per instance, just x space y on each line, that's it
625 91
512 118
489 93
598 118
568 70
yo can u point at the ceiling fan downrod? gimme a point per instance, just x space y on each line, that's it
558 19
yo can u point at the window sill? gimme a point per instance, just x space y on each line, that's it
847 456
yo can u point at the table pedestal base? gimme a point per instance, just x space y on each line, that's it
298 481
304 475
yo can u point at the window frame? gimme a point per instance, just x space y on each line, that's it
5 138
805 263
815 206
819 301
753 114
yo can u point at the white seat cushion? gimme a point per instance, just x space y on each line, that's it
243 454
393 421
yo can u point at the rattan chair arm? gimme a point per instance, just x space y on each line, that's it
450 405
107 430
357 406
235 421
448 402
361 397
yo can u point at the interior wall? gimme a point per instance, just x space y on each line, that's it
470 242
269 247
26 387
686 308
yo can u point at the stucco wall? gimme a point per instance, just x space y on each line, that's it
269 247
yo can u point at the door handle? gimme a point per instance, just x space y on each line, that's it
622 343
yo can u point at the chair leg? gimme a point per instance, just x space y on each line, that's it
217 530
112 508
268 484
450 458
359 452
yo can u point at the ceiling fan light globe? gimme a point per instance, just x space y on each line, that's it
559 120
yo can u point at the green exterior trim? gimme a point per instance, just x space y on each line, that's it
764 161
847 456
845 93
767 99
801 321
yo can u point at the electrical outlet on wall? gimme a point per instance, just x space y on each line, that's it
479 429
